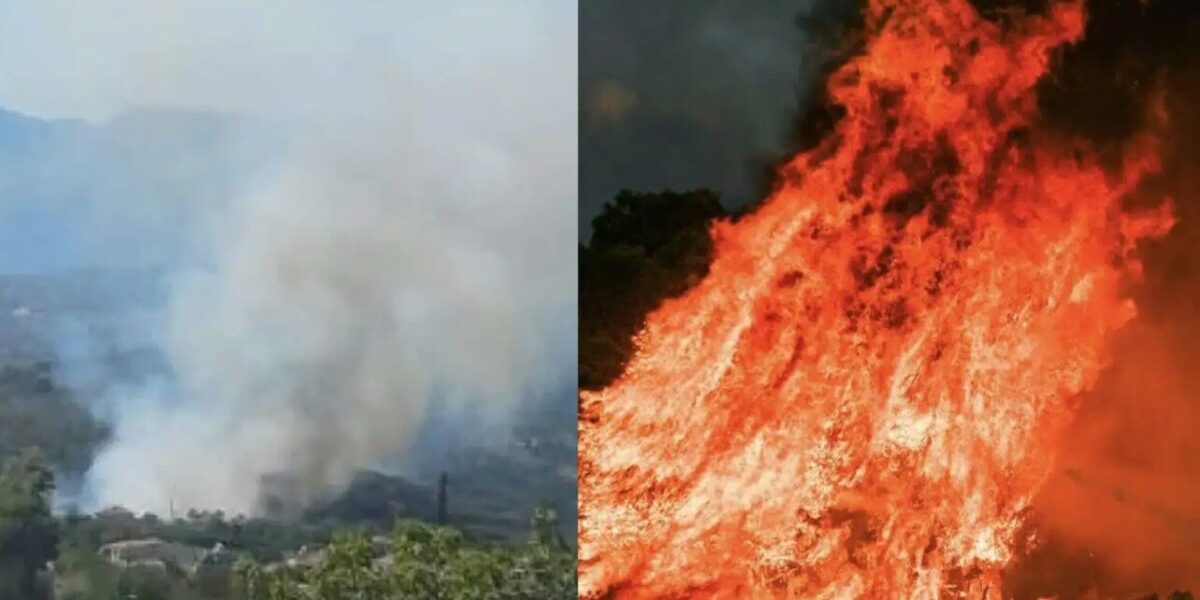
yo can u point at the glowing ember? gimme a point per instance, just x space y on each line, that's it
864 394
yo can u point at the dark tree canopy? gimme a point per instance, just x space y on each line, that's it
37 411
645 247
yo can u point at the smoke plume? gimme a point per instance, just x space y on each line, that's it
679 94
403 248
1119 517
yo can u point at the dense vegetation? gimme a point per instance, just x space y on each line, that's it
37 412
47 437
43 557
28 532
423 561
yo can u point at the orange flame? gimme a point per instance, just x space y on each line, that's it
863 396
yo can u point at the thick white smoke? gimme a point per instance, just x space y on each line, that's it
414 242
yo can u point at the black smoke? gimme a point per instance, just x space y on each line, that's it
681 94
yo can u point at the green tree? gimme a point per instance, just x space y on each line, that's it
28 531
425 562
82 574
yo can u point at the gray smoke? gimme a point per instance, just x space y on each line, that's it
683 94
411 241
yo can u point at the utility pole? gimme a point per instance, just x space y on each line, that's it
442 515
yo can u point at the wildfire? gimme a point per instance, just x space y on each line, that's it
863 396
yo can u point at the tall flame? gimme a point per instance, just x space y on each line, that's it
864 394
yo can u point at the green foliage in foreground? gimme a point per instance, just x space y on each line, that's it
84 575
28 536
424 562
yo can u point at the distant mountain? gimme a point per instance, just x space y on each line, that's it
22 136
137 151
491 497
43 316
127 191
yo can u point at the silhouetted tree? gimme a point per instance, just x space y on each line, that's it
645 247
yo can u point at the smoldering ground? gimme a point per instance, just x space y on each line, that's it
405 236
